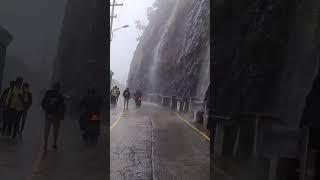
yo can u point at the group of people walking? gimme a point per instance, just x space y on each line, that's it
114 95
15 102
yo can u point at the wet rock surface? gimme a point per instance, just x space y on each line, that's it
260 54
172 57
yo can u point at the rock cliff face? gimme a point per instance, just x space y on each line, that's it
266 54
82 50
172 57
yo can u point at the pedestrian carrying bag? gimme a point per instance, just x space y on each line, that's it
52 104
126 94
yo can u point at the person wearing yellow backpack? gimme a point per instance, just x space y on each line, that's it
114 95
15 104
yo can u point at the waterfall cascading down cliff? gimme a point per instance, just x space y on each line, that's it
173 54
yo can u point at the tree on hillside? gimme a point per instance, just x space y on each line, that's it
140 27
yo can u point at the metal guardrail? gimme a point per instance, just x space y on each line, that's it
185 104
260 125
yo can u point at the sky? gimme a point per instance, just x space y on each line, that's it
124 40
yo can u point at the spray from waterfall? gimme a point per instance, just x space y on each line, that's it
153 80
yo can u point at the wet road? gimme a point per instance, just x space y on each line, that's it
147 143
74 160
17 156
23 159
154 143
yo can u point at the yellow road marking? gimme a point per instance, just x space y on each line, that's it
41 154
36 164
116 122
194 128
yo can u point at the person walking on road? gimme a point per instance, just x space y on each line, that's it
15 107
54 106
4 107
118 94
113 95
27 97
126 96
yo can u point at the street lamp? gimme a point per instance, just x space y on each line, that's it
125 26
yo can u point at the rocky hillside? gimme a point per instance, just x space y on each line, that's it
266 55
172 57
81 58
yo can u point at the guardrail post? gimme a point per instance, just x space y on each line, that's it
218 140
149 98
205 115
178 105
162 101
172 106
255 142
190 105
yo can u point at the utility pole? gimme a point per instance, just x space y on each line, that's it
112 14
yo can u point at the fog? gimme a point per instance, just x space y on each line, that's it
124 41
35 27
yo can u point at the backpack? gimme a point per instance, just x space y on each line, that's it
126 94
52 103
114 92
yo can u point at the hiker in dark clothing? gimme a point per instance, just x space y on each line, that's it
126 96
118 94
4 107
27 97
15 107
54 107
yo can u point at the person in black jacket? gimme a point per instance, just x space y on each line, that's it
4 107
27 97
126 96
54 107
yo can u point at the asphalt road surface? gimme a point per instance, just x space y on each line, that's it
147 143
17 156
23 158
152 142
